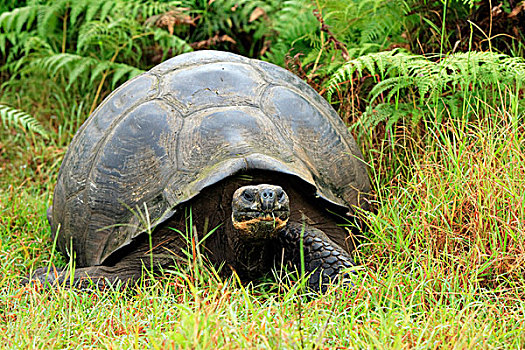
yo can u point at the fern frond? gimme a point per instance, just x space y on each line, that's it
16 20
19 53
12 38
93 8
121 70
401 70
113 34
387 85
74 66
148 9
381 60
77 9
388 114
298 30
170 42
14 117
410 81
48 16
98 70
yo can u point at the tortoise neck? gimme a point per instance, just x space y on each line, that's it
253 258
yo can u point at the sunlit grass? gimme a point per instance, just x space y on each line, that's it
461 206
444 260
444 253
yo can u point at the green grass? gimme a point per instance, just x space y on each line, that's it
444 265
443 256
399 311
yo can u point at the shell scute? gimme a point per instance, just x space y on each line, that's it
195 59
132 166
83 147
212 85
315 141
218 142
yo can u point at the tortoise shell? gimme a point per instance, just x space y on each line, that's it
190 122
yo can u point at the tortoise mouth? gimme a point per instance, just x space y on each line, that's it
260 228
261 215
260 225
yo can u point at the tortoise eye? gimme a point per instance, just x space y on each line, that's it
248 195
281 196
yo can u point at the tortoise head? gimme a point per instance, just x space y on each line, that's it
259 211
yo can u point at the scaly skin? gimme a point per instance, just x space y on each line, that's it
324 260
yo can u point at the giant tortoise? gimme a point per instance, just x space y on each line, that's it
209 145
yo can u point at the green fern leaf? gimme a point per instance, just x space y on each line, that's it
14 117
26 18
3 42
16 19
106 8
120 70
385 86
99 69
93 8
75 65
77 8
168 41
48 17
75 72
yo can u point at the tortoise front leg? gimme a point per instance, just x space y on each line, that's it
324 260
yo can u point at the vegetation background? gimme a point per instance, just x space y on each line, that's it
433 92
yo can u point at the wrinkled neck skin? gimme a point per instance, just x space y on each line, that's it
253 257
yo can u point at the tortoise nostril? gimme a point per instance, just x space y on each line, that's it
267 194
